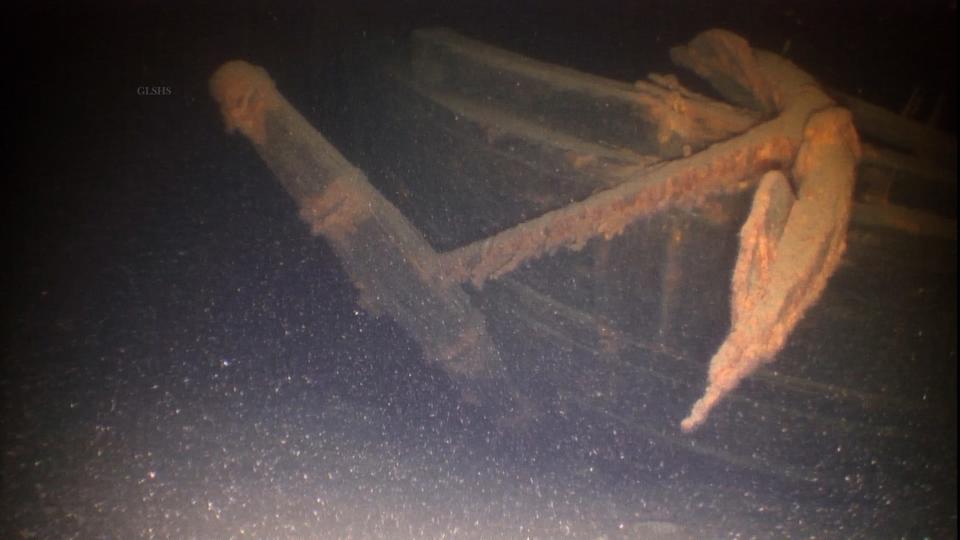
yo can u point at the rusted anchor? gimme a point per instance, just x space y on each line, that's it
792 241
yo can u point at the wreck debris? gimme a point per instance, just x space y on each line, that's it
387 259
635 117
685 121
900 157
683 183
652 146
770 298
788 248
727 61
245 93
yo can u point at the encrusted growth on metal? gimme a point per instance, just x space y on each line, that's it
806 153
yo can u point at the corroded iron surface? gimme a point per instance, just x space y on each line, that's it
807 153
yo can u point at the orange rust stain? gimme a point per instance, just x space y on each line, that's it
607 214
758 246
245 93
833 126
779 276
775 149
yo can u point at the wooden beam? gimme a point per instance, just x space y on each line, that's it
386 257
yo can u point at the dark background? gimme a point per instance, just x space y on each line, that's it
169 326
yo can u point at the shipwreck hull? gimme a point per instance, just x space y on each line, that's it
620 326
623 329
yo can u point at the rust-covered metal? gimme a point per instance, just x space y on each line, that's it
788 251
788 248
682 183
647 148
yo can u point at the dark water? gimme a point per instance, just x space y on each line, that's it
181 359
